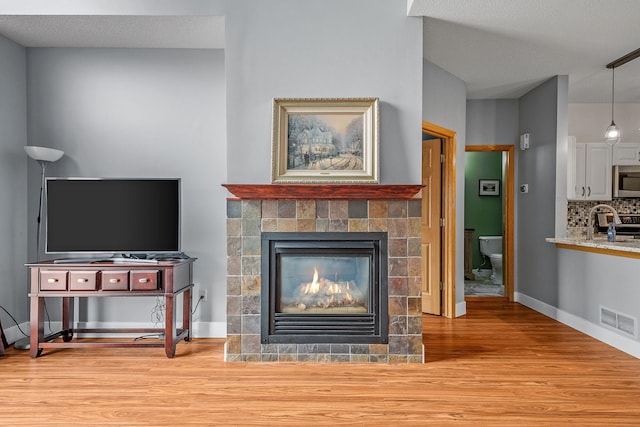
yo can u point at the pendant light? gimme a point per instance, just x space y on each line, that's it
612 133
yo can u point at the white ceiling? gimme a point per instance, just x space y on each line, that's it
189 31
503 48
500 48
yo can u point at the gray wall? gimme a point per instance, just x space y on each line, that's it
536 260
444 104
328 49
104 109
13 185
587 281
492 122
119 112
141 113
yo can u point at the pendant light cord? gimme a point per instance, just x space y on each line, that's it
613 85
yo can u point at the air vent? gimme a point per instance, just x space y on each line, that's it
608 317
627 324
618 321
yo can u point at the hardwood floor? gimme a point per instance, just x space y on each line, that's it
501 365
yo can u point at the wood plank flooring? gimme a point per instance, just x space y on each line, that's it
500 365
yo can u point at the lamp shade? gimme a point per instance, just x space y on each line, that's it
43 153
612 134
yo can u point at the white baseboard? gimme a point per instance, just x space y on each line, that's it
209 329
461 309
598 332
199 329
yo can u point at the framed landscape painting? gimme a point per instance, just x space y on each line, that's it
489 187
325 140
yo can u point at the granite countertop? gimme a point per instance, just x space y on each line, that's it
622 243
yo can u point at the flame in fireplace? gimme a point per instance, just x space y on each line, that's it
322 292
315 286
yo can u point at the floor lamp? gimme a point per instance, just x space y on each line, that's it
43 156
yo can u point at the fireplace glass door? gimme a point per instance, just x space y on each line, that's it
330 284
324 287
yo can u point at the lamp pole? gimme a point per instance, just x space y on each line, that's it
43 156
43 167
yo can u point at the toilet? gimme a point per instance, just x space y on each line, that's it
491 247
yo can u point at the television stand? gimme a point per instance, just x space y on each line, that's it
100 279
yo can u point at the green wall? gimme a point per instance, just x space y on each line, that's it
482 213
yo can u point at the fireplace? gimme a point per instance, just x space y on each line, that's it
330 209
324 288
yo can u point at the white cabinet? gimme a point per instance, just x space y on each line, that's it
626 153
589 171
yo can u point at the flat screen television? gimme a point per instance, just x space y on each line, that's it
112 215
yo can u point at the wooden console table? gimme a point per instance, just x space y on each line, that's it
167 279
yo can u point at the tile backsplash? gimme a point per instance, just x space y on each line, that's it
578 212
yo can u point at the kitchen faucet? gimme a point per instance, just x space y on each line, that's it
616 218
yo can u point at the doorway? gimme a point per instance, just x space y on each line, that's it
438 220
488 219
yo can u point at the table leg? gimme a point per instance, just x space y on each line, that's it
186 313
67 318
170 326
37 325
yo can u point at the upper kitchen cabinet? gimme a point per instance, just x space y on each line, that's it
626 153
589 171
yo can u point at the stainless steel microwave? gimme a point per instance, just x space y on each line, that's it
626 181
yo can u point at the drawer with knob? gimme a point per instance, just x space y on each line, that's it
115 280
99 280
53 280
83 280
145 280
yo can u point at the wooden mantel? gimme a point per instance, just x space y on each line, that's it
323 191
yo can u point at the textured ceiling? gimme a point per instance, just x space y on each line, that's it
503 48
193 31
499 48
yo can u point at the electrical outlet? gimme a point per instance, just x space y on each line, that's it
203 294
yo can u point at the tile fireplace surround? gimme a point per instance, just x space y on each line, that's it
323 208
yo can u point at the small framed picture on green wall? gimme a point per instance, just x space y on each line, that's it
489 187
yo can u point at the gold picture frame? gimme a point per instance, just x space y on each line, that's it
325 140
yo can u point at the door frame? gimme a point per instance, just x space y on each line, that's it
508 217
448 211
